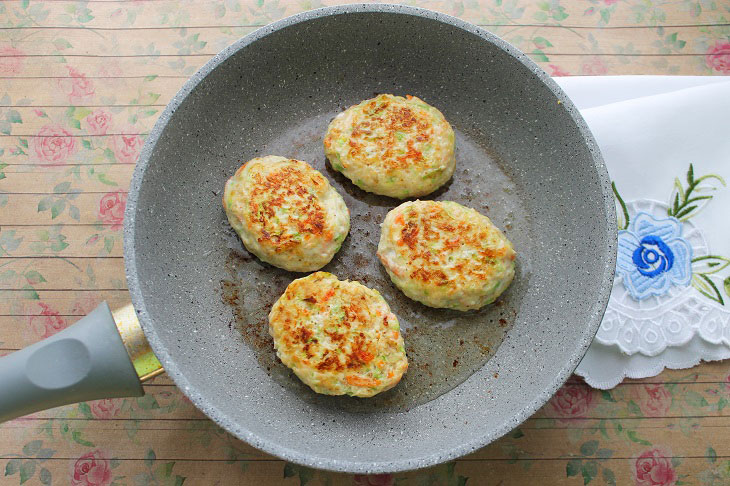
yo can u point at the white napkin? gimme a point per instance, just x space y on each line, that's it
670 306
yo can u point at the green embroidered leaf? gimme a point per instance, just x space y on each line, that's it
707 287
683 214
709 264
726 284
683 205
621 203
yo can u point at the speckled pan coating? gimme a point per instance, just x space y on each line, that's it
237 105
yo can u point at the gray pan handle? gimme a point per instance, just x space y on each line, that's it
85 361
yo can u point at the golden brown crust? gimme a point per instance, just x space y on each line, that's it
286 213
445 255
383 113
288 185
437 227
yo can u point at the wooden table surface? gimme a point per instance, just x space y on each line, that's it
81 84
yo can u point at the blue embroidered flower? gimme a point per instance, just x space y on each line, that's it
653 256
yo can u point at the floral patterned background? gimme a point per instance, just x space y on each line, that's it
81 84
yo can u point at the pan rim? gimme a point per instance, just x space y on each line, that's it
278 449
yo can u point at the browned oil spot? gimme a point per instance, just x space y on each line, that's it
496 375
483 347
502 322
456 363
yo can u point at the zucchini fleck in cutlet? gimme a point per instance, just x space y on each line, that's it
443 254
286 213
392 146
338 337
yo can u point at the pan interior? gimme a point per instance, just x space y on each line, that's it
444 347
522 159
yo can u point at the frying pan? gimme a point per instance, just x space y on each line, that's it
524 157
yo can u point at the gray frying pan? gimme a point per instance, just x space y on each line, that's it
524 157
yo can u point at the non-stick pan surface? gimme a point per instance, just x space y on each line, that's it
524 157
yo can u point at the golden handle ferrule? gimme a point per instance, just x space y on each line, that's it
144 360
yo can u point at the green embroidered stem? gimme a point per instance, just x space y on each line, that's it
684 206
623 208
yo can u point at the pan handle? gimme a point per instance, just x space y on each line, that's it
86 361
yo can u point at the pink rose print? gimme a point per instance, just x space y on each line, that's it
610 2
106 409
654 400
99 122
374 480
126 146
718 57
53 145
85 304
653 468
47 323
557 71
11 60
573 400
78 88
111 209
594 67
91 469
